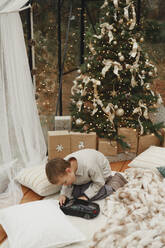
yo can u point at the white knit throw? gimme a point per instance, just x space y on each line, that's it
135 213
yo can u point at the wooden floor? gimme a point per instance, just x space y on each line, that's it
29 195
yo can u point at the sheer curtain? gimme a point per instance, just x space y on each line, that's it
21 139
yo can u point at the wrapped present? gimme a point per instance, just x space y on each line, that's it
146 141
63 123
58 144
107 147
130 136
80 141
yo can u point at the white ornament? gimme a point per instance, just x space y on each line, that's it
59 148
121 58
89 66
116 107
150 73
120 112
81 145
143 72
119 54
141 39
79 121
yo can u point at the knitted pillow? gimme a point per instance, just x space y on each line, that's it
151 158
35 178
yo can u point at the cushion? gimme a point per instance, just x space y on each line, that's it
39 224
35 178
151 158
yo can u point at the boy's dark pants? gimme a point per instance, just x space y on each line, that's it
112 184
105 191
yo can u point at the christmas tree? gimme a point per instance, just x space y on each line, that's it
114 85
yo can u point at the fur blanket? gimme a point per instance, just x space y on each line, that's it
135 213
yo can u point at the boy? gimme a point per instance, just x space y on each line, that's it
85 174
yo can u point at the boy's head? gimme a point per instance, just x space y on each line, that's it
59 171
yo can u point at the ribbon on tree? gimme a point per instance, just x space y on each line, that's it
105 4
96 97
95 109
115 2
109 110
105 26
91 48
133 81
141 79
126 15
133 68
86 80
140 111
133 20
145 113
74 88
135 47
108 63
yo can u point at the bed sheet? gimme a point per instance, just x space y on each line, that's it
87 227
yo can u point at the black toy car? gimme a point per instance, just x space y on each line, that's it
80 208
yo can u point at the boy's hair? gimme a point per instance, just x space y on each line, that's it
55 168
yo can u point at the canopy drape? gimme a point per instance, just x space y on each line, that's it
21 139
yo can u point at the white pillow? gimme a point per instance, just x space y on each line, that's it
39 224
151 158
35 178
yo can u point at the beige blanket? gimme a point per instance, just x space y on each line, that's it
135 213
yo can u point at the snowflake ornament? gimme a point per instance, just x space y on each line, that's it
59 148
81 145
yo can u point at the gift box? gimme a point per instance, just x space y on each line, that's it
163 134
63 123
107 147
58 144
130 136
146 141
80 141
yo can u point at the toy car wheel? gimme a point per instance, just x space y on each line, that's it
87 216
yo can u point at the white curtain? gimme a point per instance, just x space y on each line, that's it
21 139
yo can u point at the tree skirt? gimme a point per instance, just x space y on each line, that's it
135 213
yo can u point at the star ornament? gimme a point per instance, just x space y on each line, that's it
59 148
81 145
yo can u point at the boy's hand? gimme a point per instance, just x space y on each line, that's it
83 198
62 199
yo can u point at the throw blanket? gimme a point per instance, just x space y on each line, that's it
135 213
